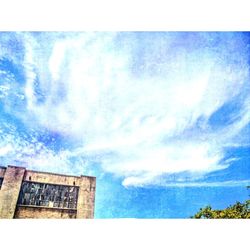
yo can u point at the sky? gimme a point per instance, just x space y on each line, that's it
162 119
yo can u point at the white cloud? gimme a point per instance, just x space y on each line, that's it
5 149
141 182
141 106
16 149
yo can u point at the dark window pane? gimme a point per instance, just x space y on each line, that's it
41 194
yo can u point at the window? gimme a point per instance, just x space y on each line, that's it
48 195
1 181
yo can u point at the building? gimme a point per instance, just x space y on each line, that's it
33 194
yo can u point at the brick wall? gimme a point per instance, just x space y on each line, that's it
10 191
23 212
13 178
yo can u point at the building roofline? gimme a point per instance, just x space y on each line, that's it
66 175
51 173
12 166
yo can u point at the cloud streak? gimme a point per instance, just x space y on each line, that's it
139 104
136 182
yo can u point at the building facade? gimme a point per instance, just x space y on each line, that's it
33 194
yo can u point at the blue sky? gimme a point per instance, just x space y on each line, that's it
160 118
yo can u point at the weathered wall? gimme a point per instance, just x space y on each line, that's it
86 199
86 184
44 213
13 177
10 191
51 178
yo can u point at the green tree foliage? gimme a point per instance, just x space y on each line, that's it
236 211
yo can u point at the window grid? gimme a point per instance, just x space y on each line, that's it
48 195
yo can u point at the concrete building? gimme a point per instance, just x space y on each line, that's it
33 194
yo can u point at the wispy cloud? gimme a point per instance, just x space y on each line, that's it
140 104
234 183
28 151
